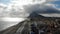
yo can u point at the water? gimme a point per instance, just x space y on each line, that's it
8 22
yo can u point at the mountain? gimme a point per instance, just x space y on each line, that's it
34 15
35 23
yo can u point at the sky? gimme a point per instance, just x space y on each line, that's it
57 3
5 1
22 8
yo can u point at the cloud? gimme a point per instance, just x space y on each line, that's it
40 9
1 4
51 5
15 8
11 11
51 15
20 8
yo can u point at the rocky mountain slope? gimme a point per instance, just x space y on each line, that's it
35 23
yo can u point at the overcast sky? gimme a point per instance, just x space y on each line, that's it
22 8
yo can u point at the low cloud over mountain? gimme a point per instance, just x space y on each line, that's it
41 9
